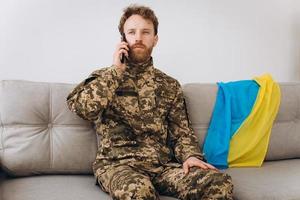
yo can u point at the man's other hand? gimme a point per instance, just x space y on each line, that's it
195 162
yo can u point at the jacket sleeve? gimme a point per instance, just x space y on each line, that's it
183 139
89 98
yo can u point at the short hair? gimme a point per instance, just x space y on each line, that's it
145 12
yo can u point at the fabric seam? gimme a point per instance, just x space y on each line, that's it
50 127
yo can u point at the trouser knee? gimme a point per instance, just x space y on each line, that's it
214 186
220 187
140 191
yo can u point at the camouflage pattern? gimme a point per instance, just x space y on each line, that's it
125 182
141 121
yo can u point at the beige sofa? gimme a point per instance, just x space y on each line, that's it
46 152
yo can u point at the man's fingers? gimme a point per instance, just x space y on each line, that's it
203 166
194 162
199 164
207 166
211 166
123 43
123 51
185 168
123 46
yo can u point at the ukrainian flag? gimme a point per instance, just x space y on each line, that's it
241 123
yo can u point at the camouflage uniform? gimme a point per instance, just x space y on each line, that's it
144 135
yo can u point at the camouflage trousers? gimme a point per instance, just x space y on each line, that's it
125 182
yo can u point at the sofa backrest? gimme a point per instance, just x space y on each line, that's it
285 136
39 135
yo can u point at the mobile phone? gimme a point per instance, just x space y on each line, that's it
123 57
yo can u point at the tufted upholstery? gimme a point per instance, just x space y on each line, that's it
38 132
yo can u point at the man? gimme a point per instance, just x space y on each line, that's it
146 145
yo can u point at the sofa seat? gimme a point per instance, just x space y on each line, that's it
54 187
275 180
266 182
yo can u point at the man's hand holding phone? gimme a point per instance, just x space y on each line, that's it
121 50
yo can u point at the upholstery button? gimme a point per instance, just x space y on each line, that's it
49 125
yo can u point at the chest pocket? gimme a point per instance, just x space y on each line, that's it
127 101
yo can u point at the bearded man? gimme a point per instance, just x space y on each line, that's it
146 144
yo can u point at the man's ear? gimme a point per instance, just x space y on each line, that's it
155 40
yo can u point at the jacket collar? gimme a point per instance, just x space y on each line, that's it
136 69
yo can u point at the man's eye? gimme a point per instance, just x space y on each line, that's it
131 32
146 32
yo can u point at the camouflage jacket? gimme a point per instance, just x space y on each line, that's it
140 116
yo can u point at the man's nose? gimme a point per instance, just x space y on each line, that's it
138 36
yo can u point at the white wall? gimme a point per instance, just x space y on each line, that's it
200 40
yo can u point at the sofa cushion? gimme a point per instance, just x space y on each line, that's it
285 135
275 180
38 132
55 187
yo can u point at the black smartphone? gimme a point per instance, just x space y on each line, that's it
123 57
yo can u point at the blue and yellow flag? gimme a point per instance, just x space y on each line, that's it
241 123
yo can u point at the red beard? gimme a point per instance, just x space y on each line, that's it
139 53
